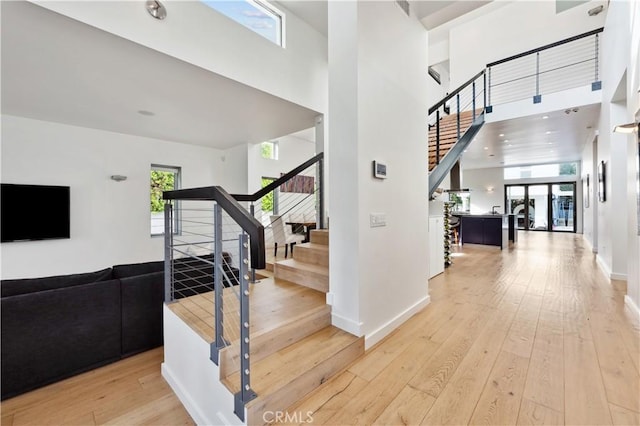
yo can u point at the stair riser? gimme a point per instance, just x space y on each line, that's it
304 278
268 343
304 384
320 237
311 255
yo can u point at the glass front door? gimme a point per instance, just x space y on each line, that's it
543 207
563 202
516 204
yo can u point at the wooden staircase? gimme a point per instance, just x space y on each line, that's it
448 134
294 347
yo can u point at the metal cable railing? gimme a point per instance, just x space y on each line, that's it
214 244
566 64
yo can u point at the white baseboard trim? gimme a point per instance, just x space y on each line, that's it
588 244
603 267
183 396
346 324
619 277
632 307
379 334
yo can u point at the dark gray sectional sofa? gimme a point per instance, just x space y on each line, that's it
56 327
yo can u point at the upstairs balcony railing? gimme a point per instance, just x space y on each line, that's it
566 64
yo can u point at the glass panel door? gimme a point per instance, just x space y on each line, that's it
515 196
539 207
563 207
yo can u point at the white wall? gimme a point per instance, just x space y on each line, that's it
480 182
512 29
197 34
590 213
633 172
612 239
109 220
377 82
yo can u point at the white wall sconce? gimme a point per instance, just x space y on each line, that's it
627 128
118 178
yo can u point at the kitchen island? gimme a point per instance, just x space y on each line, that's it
487 229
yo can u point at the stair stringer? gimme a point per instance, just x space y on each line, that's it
441 170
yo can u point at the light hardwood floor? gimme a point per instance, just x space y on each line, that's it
529 335
533 334
129 392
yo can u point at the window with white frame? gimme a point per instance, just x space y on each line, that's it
269 150
257 15
163 178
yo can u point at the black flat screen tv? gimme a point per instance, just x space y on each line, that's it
34 212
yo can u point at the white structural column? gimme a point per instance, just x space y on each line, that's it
377 111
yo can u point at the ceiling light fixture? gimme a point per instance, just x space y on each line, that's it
544 117
501 134
486 147
156 9
627 128
596 10
506 140
548 132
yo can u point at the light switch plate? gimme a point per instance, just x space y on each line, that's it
377 220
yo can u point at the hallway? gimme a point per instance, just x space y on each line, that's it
529 335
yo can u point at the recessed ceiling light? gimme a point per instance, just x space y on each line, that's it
549 143
506 140
486 147
501 134
147 113
544 117
510 145
548 132
550 150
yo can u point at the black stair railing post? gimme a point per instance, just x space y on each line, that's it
252 210
473 95
537 98
484 92
321 193
489 108
219 342
245 394
168 252
458 116
597 84
438 136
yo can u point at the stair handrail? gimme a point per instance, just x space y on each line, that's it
546 47
455 92
319 159
234 209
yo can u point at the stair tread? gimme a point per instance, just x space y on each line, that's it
303 266
278 370
314 246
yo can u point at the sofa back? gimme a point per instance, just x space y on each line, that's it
131 270
33 285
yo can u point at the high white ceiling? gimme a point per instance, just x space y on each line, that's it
58 69
432 13
533 140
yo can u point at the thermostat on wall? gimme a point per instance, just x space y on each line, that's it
379 170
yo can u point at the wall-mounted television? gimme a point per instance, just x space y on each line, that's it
34 212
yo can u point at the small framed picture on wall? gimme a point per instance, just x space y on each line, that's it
602 176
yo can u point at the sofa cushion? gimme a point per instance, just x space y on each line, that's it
32 285
133 269
50 335
142 301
